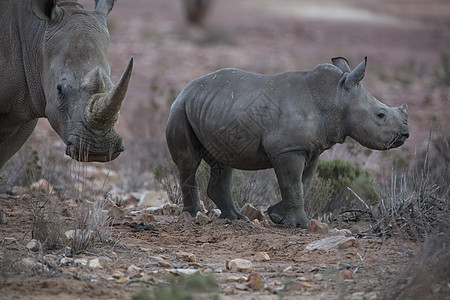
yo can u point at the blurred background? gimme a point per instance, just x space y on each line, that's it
407 43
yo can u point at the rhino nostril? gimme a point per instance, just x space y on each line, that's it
405 135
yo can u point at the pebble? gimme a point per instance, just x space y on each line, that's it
239 265
33 245
332 242
261 256
315 226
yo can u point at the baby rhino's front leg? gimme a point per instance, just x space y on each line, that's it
290 210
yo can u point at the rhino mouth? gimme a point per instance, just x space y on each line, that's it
85 152
398 140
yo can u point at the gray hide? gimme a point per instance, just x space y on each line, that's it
235 119
53 59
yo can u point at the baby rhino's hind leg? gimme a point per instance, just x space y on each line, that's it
185 150
219 190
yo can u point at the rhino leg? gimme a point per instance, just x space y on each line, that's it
12 144
186 153
219 190
290 210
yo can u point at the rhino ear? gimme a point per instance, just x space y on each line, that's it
356 75
45 9
342 64
103 7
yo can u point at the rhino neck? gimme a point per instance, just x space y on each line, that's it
324 93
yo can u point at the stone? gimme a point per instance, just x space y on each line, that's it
95 264
27 264
332 242
188 257
80 261
115 213
134 269
184 271
239 265
3 217
33 245
255 281
237 278
315 226
152 198
170 209
50 259
347 274
202 219
185 217
261 256
146 218
252 213
344 232
318 277
214 214
65 261
9 240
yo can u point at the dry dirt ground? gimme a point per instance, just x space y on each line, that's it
404 41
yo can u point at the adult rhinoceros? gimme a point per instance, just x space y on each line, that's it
235 119
53 65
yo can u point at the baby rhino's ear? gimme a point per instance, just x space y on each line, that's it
356 75
342 64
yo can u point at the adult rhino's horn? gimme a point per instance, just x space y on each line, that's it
104 108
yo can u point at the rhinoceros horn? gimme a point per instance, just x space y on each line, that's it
103 108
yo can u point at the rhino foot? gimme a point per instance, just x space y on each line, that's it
291 218
192 209
233 215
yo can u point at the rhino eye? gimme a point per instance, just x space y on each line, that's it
381 115
60 89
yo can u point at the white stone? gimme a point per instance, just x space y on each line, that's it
33 245
240 265
332 242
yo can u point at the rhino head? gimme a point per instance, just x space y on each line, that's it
367 120
82 104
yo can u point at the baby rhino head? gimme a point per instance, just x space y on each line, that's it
372 123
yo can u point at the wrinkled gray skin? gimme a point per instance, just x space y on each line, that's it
53 60
235 119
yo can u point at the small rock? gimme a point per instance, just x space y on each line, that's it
252 213
185 217
152 198
255 222
170 209
333 242
237 278
50 259
27 264
184 271
347 274
134 269
189 257
315 226
33 245
146 218
239 265
130 201
162 262
9 240
95 264
115 213
214 214
202 219
306 285
261 256
344 232
80 261
255 281
318 277
3 218
142 226
65 261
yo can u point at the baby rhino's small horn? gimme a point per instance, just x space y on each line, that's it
404 108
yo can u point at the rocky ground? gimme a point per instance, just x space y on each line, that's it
145 245
405 42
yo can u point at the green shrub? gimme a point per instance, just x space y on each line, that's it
338 176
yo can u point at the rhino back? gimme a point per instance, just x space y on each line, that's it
249 116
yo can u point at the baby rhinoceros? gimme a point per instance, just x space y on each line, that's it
238 120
